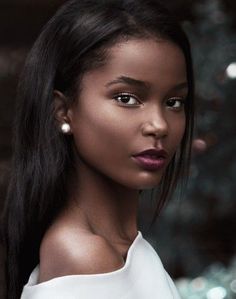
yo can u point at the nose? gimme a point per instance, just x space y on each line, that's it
155 125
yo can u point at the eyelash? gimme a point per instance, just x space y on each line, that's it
119 97
127 95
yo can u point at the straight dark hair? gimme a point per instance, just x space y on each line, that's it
74 41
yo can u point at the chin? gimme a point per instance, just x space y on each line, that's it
145 182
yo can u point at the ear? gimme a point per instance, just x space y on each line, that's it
62 109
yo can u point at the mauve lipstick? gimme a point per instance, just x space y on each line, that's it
152 159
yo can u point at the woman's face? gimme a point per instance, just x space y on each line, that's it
131 104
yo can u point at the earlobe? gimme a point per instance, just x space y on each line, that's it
62 112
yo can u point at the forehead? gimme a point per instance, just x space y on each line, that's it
157 62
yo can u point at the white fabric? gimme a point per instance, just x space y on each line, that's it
142 277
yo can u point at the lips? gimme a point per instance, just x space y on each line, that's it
151 159
152 153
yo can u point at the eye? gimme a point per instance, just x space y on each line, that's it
127 99
176 103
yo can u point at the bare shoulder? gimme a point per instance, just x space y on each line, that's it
66 252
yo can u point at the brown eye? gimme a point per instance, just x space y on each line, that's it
126 99
175 103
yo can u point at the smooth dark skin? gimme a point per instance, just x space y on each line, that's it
95 231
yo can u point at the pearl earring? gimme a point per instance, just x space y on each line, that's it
65 128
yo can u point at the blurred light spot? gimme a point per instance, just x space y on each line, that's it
231 70
182 282
199 145
233 286
198 283
217 293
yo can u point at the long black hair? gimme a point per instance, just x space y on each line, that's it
74 41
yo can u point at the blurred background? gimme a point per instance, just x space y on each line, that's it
195 235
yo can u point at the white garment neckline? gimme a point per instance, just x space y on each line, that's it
35 274
142 276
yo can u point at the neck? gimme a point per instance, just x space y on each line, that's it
104 207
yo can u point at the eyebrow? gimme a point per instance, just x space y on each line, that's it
127 80
135 82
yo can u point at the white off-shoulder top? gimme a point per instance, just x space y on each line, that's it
142 277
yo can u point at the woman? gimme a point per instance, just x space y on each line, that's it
104 111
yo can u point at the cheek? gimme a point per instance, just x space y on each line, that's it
98 132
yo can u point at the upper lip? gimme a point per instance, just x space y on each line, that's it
159 153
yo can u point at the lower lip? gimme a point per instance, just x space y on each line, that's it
149 163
